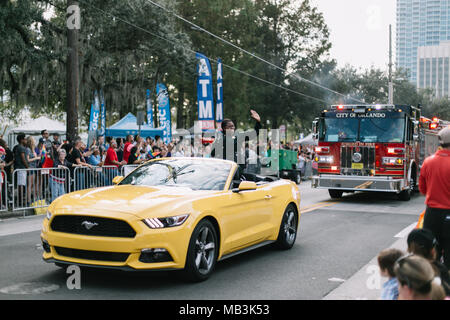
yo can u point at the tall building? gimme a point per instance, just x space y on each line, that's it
433 68
420 23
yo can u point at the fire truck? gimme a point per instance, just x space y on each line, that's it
373 148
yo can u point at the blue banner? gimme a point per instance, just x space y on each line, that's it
149 109
102 128
164 112
94 119
219 104
205 98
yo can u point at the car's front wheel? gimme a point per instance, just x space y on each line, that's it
288 228
202 252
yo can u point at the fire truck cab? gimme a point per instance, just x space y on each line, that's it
372 148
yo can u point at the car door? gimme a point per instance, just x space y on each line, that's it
246 218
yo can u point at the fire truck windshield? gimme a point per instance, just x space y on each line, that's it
382 130
362 129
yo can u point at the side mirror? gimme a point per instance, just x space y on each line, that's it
245 186
315 129
117 179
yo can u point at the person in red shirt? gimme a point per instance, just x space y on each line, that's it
127 148
112 160
434 183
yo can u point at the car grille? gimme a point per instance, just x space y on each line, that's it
92 255
367 160
103 227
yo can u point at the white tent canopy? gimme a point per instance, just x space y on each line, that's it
34 128
37 125
308 140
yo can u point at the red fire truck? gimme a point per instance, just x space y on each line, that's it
373 148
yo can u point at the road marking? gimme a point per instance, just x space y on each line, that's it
406 231
29 288
316 206
336 280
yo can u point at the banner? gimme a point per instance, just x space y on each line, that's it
93 121
219 104
205 98
165 123
149 110
102 128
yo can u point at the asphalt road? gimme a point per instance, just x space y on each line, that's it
336 239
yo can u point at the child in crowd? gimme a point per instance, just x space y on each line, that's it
386 262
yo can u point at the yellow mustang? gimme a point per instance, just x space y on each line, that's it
172 213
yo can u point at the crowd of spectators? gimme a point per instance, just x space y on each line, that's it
111 153
416 275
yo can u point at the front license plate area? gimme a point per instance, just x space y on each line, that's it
358 166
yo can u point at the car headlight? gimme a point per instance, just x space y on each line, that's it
48 215
167 222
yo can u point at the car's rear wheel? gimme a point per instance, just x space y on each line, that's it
202 252
288 228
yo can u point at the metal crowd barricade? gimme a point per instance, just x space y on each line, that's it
126 169
3 191
86 177
38 187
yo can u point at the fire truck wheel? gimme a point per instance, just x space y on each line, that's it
405 195
335 194
296 177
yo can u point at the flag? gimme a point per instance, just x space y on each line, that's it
164 112
102 115
94 118
219 104
205 98
149 110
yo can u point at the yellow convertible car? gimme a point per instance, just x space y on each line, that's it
172 214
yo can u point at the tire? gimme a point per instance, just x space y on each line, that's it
202 252
335 194
288 229
296 177
405 195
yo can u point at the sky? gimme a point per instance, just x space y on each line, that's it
359 31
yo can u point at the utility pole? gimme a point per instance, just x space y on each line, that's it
72 69
391 85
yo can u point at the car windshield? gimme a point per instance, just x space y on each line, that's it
196 174
337 130
382 130
362 129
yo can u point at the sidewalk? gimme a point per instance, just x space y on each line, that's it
366 283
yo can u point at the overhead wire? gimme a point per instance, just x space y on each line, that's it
250 53
193 51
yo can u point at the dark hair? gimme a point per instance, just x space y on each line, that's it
42 132
157 137
2 143
156 148
387 258
20 137
224 123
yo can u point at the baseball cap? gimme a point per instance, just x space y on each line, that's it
444 136
423 237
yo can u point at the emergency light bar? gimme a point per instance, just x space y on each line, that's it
355 107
